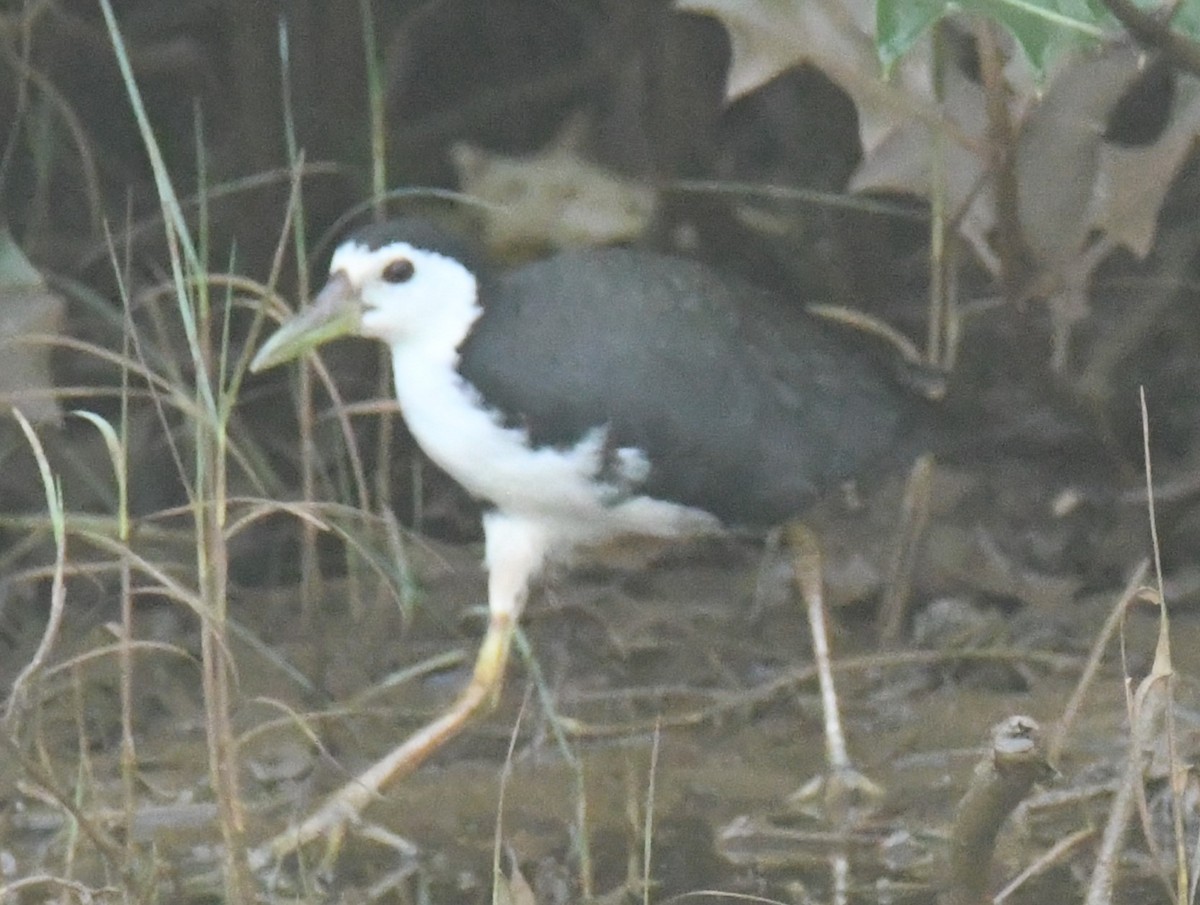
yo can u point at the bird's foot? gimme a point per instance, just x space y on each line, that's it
343 809
840 796
332 823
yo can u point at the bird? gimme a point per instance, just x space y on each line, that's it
593 396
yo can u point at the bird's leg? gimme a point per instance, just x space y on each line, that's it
843 786
515 553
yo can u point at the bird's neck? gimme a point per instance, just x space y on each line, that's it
444 412
425 356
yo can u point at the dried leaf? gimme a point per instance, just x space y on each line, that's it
1058 153
552 199
835 36
1133 182
513 889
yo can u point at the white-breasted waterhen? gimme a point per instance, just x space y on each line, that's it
589 397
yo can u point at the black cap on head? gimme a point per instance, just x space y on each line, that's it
422 233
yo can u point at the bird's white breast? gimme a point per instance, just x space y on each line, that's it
558 486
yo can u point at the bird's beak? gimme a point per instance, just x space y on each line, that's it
336 311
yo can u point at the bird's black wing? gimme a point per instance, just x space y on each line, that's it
745 406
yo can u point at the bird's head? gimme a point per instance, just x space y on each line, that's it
404 283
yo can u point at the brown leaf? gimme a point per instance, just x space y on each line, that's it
769 37
552 199
1058 153
1134 181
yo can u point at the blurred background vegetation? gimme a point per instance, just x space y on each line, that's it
1021 206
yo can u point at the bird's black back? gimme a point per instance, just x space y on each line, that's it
745 406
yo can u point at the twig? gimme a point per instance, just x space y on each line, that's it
1000 781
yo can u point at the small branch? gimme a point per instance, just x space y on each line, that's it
1000 781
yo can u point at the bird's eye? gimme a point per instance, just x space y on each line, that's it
398 271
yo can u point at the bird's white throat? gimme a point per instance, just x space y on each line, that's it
425 320
457 430
432 311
